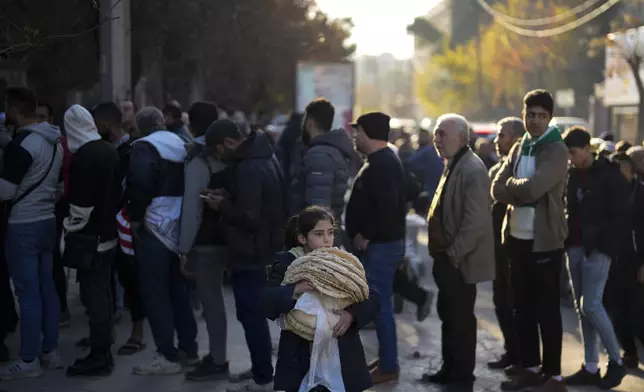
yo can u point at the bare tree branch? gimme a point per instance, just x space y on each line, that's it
40 42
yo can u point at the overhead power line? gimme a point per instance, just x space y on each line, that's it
540 21
552 31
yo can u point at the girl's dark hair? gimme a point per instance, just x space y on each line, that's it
304 222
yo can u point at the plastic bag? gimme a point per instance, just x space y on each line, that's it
325 369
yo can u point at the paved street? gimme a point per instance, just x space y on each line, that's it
422 339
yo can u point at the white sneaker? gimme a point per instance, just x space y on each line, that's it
20 369
51 361
250 386
156 366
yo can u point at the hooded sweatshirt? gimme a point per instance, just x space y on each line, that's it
94 182
522 217
155 185
325 172
201 226
27 160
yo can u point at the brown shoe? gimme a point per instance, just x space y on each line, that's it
551 385
383 378
373 363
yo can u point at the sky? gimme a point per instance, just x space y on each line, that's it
380 25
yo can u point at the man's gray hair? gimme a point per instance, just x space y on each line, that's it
515 124
462 126
149 119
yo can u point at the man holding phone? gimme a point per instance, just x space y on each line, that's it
253 214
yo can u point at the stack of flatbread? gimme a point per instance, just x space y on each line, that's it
339 280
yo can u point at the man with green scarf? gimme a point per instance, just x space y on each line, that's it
532 182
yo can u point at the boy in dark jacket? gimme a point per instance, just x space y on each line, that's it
597 216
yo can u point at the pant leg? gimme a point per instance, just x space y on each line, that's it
458 320
594 275
407 288
618 300
127 273
48 298
96 287
9 319
527 327
247 290
60 279
576 258
503 304
381 262
184 317
209 269
153 262
547 267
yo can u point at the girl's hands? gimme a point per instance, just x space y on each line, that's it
346 319
302 287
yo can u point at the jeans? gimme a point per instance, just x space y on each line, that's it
164 294
30 251
380 262
588 275
96 291
248 287
535 286
455 306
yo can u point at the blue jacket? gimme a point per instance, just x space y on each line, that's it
428 168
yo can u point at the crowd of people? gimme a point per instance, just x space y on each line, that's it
165 206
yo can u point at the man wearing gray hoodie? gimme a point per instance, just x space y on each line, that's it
202 243
30 180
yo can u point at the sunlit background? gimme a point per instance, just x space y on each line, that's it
380 25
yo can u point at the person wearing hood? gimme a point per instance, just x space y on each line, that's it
324 175
202 241
532 181
598 221
154 190
174 121
30 181
253 212
94 190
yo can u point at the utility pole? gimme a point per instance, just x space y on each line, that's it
115 50
479 57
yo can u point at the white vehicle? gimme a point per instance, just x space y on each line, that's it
564 123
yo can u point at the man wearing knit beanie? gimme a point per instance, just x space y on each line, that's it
375 223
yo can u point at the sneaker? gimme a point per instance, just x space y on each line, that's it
156 366
551 385
613 376
207 369
514 371
51 361
525 381
378 377
425 309
251 386
188 359
5 355
21 369
65 319
96 364
241 377
502 363
631 361
583 377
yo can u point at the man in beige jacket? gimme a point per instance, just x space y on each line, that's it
462 244
532 181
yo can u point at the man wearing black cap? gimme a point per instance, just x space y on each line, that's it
375 222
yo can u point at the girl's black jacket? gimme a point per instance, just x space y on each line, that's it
294 353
